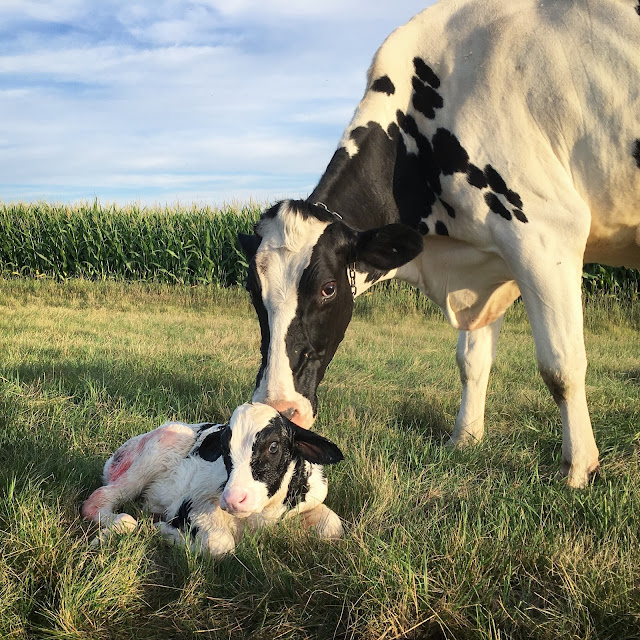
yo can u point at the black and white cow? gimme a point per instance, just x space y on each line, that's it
505 137
207 483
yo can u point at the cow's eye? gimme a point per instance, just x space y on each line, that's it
273 448
329 290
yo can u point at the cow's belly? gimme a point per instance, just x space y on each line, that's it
617 246
473 287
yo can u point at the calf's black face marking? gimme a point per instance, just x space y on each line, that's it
281 442
271 455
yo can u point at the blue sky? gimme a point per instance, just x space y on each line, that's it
161 101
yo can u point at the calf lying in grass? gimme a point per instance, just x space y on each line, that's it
208 482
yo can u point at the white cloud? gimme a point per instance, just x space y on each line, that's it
163 94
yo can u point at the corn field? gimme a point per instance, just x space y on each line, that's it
192 245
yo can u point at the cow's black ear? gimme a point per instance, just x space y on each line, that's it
249 244
388 247
314 448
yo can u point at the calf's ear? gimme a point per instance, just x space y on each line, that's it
314 448
249 244
388 247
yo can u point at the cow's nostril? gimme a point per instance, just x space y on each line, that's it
288 413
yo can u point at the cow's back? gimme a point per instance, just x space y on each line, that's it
547 92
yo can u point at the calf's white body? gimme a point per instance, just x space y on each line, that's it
208 482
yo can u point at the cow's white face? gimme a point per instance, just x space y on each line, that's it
299 287
285 253
260 449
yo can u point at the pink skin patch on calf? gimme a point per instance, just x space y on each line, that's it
124 457
94 503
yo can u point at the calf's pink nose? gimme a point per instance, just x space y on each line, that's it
235 500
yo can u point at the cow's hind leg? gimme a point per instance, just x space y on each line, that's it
475 354
549 274
130 471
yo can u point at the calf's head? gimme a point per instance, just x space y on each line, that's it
298 282
260 448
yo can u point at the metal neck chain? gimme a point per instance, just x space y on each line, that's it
352 265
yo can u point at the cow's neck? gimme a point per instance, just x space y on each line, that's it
374 179
359 185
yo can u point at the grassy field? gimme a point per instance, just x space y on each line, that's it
481 543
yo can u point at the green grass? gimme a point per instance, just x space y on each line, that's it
480 543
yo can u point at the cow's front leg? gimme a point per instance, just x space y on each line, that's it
475 354
551 290
327 523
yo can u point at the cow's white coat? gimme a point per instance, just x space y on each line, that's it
548 93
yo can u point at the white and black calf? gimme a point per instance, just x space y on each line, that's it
495 151
206 483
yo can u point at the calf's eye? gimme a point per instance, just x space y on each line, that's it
329 290
273 448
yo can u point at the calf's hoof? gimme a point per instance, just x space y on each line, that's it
327 524
114 524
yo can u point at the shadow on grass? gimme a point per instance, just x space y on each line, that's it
630 376
135 383
425 420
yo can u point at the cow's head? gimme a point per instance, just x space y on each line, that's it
260 449
298 266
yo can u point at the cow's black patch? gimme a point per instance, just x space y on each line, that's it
638 9
299 485
384 85
519 214
496 206
272 212
497 183
319 325
182 519
448 208
425 72
423 228
441 228
205 426
414 195
271 454
374 275
476 177
210 448
636 145
449 153
426 99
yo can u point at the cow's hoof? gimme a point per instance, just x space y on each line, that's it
579 477
463 439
